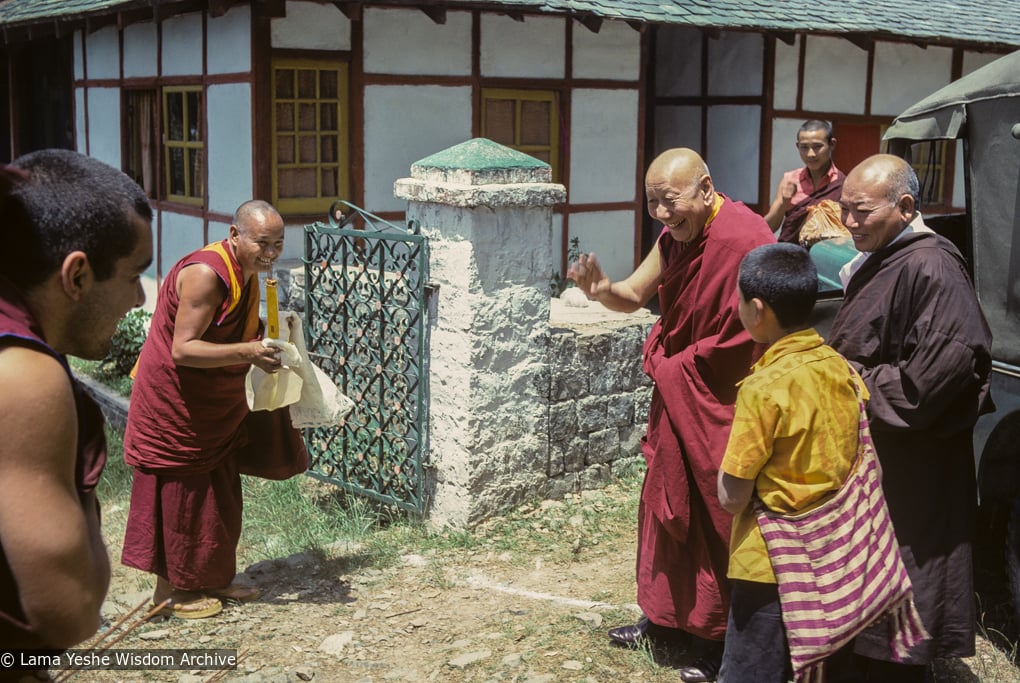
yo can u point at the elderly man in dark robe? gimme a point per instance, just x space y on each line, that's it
187 425
696 354
911 324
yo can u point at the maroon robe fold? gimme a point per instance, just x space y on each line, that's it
18 327
185 434
696 353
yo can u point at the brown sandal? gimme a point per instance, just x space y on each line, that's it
199 608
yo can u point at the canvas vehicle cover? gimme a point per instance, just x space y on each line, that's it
983 109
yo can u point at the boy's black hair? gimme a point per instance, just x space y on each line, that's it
783 276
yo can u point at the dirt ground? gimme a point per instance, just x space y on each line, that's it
530 602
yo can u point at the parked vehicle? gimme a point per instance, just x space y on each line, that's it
982 110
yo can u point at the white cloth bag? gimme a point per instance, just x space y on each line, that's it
314 400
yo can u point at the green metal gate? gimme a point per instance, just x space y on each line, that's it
367 328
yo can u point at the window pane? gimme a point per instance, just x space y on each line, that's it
140 143
535 122
327 116
197 157
499 121
306 117
328 80
177 171
285 149
306 149
195 116
284 84
297 182
306 84
285 116
329 182
175 116
328 149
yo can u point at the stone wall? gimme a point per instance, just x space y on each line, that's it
598 395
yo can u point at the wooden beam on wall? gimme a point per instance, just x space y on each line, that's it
436 14
351 10
590 22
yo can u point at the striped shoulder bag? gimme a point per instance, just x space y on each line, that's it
839 569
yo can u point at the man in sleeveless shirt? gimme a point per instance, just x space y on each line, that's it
77 237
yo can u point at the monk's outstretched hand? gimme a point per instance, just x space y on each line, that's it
588 275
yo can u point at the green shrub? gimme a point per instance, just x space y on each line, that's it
126 344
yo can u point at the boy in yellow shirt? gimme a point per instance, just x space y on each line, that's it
793 442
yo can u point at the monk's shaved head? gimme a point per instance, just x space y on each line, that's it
680 165
253 212
889 175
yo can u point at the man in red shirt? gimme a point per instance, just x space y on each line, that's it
804 187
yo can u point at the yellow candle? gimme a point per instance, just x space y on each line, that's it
272 310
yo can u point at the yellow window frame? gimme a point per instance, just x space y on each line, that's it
519 96
194 196
319 203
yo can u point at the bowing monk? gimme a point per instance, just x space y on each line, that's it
187 427
802 188
696 353
77 237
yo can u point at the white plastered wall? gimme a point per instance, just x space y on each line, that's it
784 87
140 50
311 26
181 234
610 234
835 75
503 52
182 45
228 41
102 54
603 135
906 73
613 53
784 151
104 125
423 46
405 123
229 146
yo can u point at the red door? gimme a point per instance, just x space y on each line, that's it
855 142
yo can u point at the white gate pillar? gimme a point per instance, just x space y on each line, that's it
487 210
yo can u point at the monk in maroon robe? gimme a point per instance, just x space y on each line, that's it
186 430
696 354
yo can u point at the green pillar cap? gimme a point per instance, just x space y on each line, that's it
481 161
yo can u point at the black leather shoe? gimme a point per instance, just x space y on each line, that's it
631 635
703 670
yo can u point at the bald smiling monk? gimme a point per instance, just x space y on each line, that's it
696 354
187 426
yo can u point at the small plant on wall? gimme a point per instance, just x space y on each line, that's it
558 283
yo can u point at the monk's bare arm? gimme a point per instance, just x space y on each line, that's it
201 293
777 211
50 536
627 295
